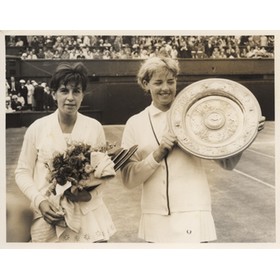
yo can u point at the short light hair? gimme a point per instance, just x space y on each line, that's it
151 65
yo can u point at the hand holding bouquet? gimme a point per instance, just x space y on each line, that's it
78 170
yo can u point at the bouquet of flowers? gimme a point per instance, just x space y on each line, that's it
74 173
78 170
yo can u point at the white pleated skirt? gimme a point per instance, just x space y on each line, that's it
182 227
96 226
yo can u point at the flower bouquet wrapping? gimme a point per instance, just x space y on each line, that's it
73 174
79 168
77 171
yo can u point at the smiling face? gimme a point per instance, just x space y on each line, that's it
69 98
162 87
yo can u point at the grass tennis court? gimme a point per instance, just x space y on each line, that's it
243 200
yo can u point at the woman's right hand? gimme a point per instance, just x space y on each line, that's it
50 213
167 143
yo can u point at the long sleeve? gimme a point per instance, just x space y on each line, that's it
141 165
135 173
25 169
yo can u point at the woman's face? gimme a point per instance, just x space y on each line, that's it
162 87
69 98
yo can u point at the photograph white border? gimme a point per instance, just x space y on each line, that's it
216 264
141 245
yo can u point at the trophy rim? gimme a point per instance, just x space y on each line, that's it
224 91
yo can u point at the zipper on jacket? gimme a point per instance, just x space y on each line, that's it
167 185
166 165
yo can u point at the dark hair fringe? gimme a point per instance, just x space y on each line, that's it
66 73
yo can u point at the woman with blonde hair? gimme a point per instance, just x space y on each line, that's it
176 201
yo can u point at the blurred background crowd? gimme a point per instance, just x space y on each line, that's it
141 47
28 95
36 96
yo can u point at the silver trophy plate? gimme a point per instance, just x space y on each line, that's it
215 118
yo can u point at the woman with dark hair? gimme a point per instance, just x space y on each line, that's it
53 134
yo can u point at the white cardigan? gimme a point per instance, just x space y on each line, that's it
178 186
43 138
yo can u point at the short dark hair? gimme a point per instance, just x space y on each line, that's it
66 73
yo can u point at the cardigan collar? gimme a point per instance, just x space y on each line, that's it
154 111
75 134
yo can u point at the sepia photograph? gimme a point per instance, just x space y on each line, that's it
134 139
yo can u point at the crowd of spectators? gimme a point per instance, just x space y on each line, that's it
36 96
142 47
28 96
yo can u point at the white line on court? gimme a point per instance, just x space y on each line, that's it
259 153
253 178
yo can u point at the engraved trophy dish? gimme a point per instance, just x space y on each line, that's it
215 118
